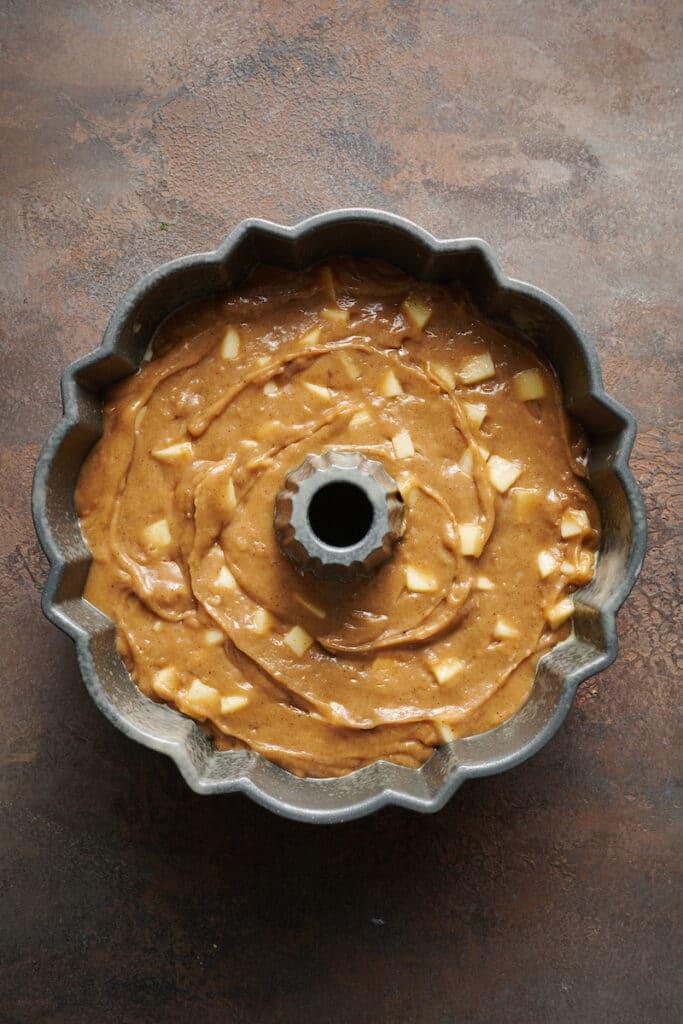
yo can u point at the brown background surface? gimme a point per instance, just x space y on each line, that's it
137 132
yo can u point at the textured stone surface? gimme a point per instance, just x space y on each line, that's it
136 132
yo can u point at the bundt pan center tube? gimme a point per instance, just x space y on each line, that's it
334 546
338 516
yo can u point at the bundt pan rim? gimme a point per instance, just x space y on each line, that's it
593 643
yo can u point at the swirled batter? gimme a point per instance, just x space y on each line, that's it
176 504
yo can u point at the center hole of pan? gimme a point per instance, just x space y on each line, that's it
340 514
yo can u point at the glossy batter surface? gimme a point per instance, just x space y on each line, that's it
176 504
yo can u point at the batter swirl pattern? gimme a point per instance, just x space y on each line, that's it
176 504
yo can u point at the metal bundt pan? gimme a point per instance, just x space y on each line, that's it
531 311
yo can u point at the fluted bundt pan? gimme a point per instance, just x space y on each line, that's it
593 643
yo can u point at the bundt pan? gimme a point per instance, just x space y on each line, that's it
543 321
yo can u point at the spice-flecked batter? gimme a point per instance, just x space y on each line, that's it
176 504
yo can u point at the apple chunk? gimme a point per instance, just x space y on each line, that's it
559 613
235 702
389 385
477 369
419 581
165 683
504 631
471 539
213 637
444 375
180 452
298 641
230 345
158 536
547 563
403 445
574 522
201 701
349 365
447 669
444 731
225 579
359 419
484 583
475 412
502 473
319 390
529 385
418 311
335 315
262 621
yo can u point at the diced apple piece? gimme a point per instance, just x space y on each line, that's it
390 385
502 473
158 536
586 564
547 563
477 369
328 283
582 571
359 419
310 338
417 311
149 353
262 621
504 631
229 496
405 484
201 700
235 702
319 613
573 523
298 640
467 462
349 365
180 452
483 452
213 637
559 612
230 346
471 539
382 665
270 388
446 669
529 385
408 488
403 445
319 390
445 733
526 502
484 583
419 581
444 375
225 579
165 683
475 412
335 315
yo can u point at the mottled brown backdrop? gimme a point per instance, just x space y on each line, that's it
134 132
